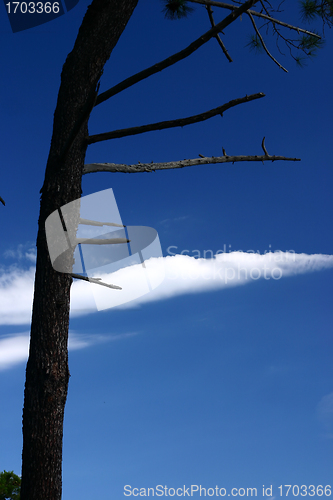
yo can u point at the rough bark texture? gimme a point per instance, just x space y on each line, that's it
47 371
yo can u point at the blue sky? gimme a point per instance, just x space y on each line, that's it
206 381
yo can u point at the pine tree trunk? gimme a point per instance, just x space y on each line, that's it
47 372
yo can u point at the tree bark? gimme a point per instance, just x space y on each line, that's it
47 372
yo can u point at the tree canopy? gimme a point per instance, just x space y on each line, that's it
305 45
10 485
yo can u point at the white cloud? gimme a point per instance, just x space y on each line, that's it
187 275
14 349
31 255
16 291
184 275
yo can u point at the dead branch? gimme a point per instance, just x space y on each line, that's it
97 281
180 122
102 241
89 222
2 201
263 147
132 80
217 36
228 6
263 43
151 167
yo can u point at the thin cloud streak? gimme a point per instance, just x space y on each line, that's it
325 415
22 252
183 275
14 349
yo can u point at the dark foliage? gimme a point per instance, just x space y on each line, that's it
176 9
10 486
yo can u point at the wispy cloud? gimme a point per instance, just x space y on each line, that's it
325 414
22 252
16 291
167 223
183 275
14 349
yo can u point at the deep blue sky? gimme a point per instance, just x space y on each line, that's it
230 386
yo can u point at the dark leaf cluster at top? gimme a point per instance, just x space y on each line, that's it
176 9
300 49
313 9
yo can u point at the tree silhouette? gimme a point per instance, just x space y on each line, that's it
47 372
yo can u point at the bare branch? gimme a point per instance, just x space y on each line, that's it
212 22
228 6
132 80
151 167
263 44
180 122
102 241
263 147
89 222
2 201
264 7
97 281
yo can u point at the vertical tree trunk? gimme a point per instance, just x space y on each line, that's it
47 372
